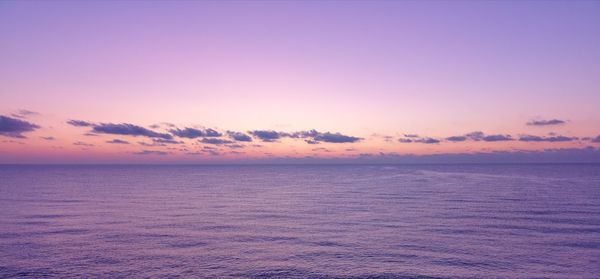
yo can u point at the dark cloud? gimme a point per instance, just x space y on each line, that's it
11 127
323 137
151 152
216 141
497 138
427 140
80 123
305 134
237 136
411 135
47 138
117 141
596 139
335 138
268 135
128 130
456 138
546 122
192 133
531 138
476 136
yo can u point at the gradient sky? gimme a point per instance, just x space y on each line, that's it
372 71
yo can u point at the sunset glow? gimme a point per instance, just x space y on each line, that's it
370 79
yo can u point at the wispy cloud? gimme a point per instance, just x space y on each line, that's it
151 152
117 141
549 122
80 123
23 113
531 138
81 143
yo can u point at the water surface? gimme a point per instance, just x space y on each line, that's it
437 221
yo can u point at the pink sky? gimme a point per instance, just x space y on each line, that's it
369 70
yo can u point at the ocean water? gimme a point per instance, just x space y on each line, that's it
393 221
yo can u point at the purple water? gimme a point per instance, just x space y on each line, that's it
444 221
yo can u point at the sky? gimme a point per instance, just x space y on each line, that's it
299 81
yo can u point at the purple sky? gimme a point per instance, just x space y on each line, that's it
370 71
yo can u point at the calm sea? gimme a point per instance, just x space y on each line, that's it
395 221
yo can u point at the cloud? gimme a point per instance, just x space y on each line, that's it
267 135
411 135
476 136
335 138
236 146
596 139
323 137
456 138
151 152
493 138
128 130
192 133
428 140
80 143
546 122
160 142
237 136
166 141
425 140
216 141
23 113
47 138
80 123
11 127
531 138
117 141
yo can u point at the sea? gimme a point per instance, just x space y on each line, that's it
300 221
